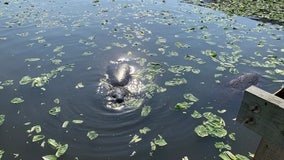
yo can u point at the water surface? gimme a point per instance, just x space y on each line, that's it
87 36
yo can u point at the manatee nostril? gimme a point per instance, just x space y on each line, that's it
119 100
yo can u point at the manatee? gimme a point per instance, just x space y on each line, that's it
119 75
118 94
244 81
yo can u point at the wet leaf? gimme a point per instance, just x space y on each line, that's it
36 128
92 135
153 146
145 111
135 139
49 157
201 131
65 124
160 141
196 114
38 138
232 136
58 48
54 111
32 59
183 105
25 80
2 119
77 121
221 146
56 101
144 130
176 81
53 143
185 158
17 100
79 85
61 150
191 97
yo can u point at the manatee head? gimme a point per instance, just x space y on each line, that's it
118 94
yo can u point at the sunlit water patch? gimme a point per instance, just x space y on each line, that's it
187 59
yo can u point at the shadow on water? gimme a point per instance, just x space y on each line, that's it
182 50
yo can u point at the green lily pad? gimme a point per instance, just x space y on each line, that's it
183 105
32 59
54 111
49 157
176 81
77 121
65 124
53 143
160 141
135 139
61 150
144 130
25 80
92 135
222 145
196 114
36 128
201 131
145 111
191 97
17 100
38 138
2 119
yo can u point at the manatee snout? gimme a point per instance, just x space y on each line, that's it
118 94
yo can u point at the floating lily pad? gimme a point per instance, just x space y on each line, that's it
61 150
25 80
144 130
77 121
176 81
222 145
38 138
32 59
183 105
65 124
2 119
17 100
55 110
146 110
191 97
135 139
49 157
92 135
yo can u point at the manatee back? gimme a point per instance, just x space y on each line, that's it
244 81
119 75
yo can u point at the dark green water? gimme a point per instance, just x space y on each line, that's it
58 33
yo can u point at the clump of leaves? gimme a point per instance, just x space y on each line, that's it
213 126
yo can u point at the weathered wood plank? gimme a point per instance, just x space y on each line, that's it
263 113
268 151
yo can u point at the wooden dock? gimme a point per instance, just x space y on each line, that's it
263 113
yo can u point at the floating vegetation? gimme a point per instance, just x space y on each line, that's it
92 135
55 110
2 119
213 126
17 100
145 111
169 44
45 77
176 81
160 142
